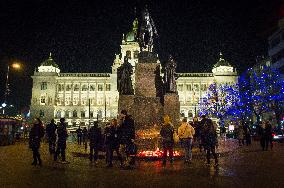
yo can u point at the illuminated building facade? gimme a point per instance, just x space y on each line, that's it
84 97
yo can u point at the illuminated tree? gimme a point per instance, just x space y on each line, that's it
219 102
267 92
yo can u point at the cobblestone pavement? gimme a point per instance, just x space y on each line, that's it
239 167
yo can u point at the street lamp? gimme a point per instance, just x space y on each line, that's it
7 90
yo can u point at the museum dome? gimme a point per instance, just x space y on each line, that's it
49 62
223 66
49 65
222 62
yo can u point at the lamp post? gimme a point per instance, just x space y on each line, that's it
7 90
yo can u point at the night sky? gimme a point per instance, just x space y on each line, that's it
84 36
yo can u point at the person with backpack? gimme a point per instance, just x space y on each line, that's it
61 140
95 141
209 137
186 133
51 136
167 132
36 133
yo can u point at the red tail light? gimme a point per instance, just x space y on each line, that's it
273 134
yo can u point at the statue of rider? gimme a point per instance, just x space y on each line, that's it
147 31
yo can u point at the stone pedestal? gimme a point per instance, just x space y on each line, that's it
126 102
146 80
147 111
172 107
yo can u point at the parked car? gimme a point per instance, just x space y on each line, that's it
278 136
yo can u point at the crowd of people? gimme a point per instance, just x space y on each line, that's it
264 131
119 136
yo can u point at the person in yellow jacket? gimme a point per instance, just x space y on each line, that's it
186 133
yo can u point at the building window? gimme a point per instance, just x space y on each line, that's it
190 114
75 114
136 54
92 87
180 87
58 114
188 87
75 100
42 100
41 113
85 87
128 54
76 87
83 114
108 87
59 100
203 87
100 87
99 114
68 87
67 100
67 114
91 114
60 87
100 101
84 100
196 87
108 101
93 101
43 86
188 99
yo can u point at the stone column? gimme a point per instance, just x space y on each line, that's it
172 107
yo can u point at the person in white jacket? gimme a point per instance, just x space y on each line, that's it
186 133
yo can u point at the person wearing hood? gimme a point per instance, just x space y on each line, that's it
186 133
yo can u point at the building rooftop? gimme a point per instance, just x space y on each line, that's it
49 62
222 62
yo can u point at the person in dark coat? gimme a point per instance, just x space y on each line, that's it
167 132
197 135
95 141
36 133
61 140
112 142
268 135
209 137
247 132
126 134
85 136
51 136
261 133
79 135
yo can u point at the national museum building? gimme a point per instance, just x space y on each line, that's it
84 97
